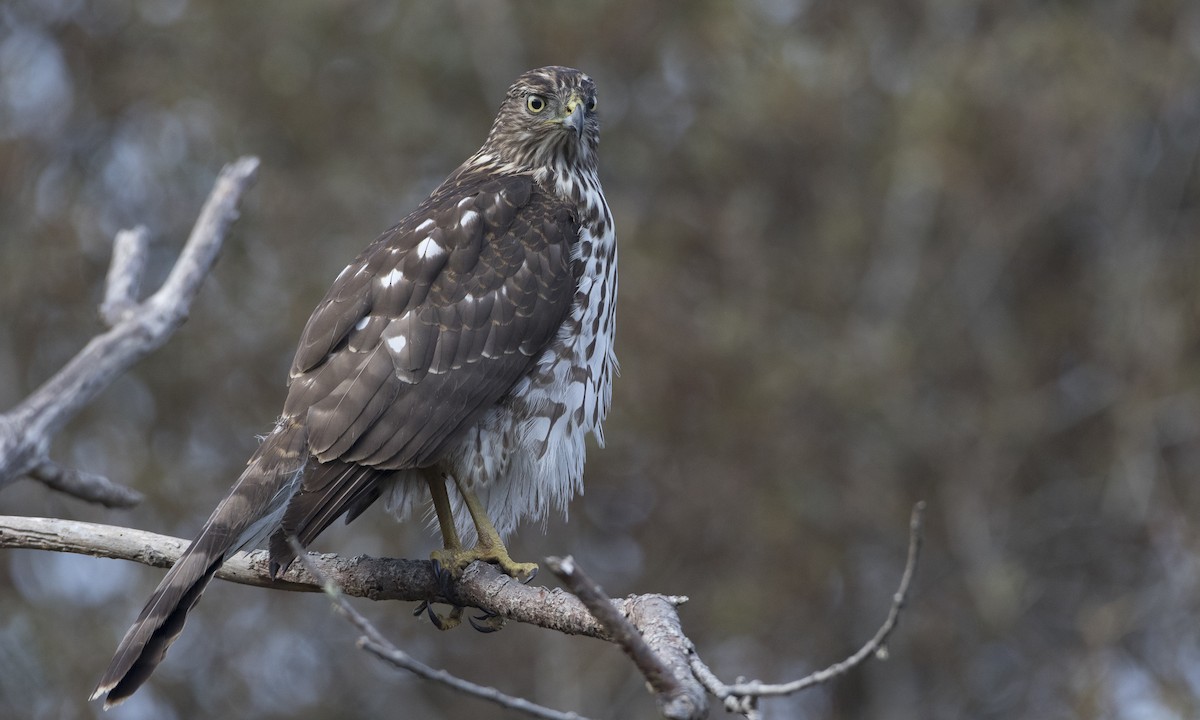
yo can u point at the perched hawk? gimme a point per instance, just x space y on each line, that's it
461 359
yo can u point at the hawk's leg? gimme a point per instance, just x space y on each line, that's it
490 548
452 545
441 506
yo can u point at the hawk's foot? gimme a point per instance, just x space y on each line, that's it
455 560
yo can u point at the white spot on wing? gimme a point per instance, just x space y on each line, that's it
391 278
362 323
470 217
397 344
428 247
426 226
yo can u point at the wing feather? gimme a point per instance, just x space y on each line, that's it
433 324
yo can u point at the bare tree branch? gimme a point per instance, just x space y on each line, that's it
374 642
481 586
137 330
678 694
649 624
741 697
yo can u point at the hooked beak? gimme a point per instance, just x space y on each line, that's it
576 115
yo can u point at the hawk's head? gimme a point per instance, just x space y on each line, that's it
547 120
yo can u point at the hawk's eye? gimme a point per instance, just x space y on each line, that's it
535 103
591 104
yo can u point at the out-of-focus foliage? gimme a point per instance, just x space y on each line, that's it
871 252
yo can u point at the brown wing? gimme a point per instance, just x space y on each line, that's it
431 325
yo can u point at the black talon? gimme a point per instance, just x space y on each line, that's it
529 579
455 617
491 622
445 582
481 628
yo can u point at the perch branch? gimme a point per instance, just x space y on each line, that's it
375 643
137 329
481 585
674 669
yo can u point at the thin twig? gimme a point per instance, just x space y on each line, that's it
374 642
678 697
738 697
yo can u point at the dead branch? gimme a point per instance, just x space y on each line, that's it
481 585
647 623
136 330
665 666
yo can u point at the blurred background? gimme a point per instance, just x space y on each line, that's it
872 252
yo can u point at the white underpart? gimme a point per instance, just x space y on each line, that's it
518 459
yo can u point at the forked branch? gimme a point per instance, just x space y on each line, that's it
647 627
136 329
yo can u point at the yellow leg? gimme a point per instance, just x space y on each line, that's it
490 547
441 506
450 541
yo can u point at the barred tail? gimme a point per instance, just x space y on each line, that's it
248 513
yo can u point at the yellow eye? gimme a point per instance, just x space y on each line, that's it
535 103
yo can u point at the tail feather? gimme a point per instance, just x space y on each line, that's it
247 515
159 624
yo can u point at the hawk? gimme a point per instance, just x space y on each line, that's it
459 361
